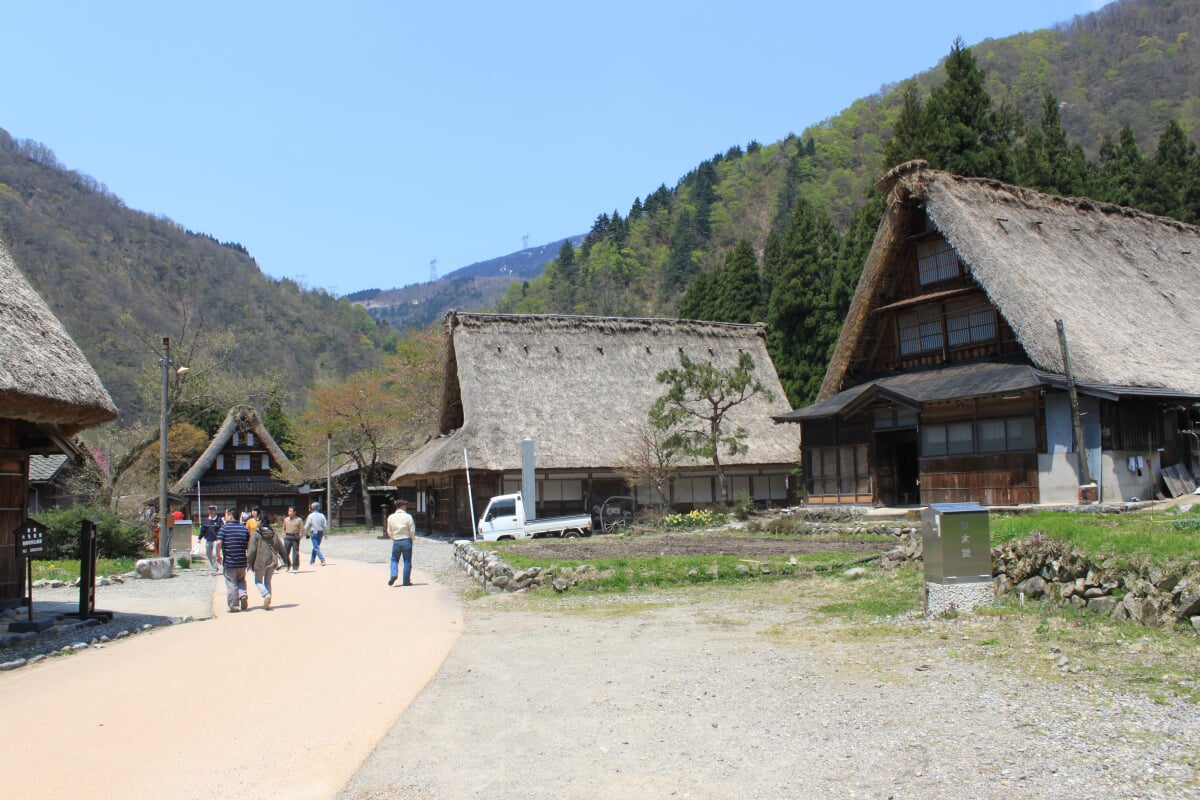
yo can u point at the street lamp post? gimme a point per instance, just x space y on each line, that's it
164 529
164 536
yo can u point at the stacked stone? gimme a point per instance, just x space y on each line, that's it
1041 568
496 576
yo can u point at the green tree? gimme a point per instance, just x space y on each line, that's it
909 138
738 286
1047 161
694 409
700 299
1160 189
1120 169
564 278
967 135
801 315
730 293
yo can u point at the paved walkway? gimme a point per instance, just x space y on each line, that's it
278 704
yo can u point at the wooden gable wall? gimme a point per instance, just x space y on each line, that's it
910 296
255 452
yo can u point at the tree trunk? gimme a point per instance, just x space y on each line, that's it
363 481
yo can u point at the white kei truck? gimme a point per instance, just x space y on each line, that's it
504 518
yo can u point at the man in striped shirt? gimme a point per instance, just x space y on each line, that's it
232 541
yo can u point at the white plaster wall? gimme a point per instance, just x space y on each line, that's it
1058 478
1119 484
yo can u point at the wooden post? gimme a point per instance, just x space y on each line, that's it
1085 476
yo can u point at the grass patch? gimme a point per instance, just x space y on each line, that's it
877 594
1136 536
624 574
69 570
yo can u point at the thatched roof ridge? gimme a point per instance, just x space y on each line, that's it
44 376
1124 282
239 418
579 386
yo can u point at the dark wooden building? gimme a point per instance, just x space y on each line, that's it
353 488
949 383
243 467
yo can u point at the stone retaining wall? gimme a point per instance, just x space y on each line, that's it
1038 567
495 575
1035 568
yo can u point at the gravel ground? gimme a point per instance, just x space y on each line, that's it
748 692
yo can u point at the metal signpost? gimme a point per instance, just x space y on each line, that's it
31 541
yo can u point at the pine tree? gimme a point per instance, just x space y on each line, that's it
1161 187
966 134
699 301
1120 169
564 277
681 263
909 133
738 286
800 314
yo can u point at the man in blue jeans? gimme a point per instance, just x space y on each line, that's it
315 524
232 541
401 528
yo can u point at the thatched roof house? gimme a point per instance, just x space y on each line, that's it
953 324
580 387
48 391
44 377
244 466
1123 282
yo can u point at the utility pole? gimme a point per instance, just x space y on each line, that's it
1085 476
164 536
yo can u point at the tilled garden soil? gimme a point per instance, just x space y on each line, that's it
690 544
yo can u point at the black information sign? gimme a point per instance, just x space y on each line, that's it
31 539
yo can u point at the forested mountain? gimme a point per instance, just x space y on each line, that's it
120 279
1105 105
478 285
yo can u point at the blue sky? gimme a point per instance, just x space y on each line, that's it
348 144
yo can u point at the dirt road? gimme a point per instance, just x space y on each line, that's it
278 704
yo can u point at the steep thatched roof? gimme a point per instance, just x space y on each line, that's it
579 386
239 419
44 377
1125 283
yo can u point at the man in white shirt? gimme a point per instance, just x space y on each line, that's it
401 528
315 526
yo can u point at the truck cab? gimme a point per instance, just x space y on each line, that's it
504 518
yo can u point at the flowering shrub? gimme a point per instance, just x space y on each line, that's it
698 518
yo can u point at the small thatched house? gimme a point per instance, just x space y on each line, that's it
949 382
580 388
48 392
243 467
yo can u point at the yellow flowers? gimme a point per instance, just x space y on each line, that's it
697 518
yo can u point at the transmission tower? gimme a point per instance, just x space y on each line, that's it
525 242
432 270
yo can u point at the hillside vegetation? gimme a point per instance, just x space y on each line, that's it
1105 105
120 279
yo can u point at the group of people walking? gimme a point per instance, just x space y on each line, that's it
236 544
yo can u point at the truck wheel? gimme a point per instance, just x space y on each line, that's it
571 534
505 539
